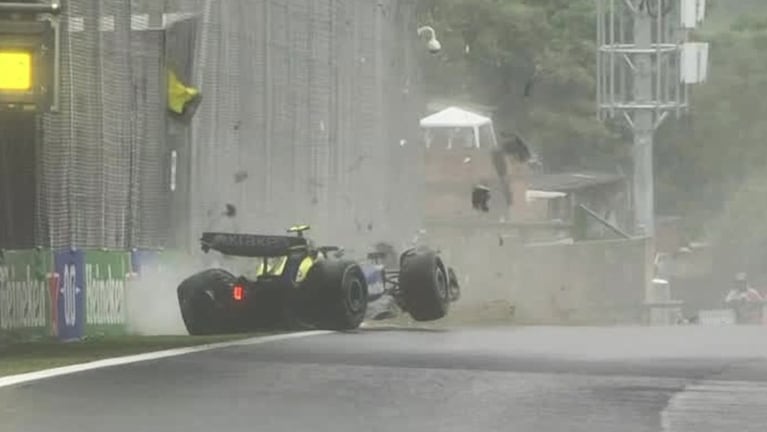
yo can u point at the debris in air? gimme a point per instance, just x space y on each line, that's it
231 211
240 176
480 198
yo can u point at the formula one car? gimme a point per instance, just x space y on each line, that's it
287 282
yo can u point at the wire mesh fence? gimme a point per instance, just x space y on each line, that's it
89 146
309 115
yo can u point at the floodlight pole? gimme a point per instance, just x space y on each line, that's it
644 129
638 78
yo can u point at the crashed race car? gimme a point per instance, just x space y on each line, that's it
287 282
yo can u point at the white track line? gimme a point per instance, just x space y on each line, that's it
118 361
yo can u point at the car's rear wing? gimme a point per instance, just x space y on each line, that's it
251 245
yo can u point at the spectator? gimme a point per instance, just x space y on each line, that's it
745 301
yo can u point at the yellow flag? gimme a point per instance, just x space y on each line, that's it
179 95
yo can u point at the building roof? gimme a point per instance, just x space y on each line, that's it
566 182
533 195
436 105
454 117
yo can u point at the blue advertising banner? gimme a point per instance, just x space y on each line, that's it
70 304
141 260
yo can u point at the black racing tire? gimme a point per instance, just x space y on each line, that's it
424 285
453 285
339 294
198 309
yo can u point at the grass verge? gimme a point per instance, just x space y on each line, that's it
23 357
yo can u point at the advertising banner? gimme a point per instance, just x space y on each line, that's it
163 267
106 274
145 261
23 290
70 301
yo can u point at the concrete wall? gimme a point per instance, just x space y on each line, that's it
582 283
451 173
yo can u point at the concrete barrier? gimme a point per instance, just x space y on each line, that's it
581 283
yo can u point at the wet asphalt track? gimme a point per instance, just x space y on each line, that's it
496 379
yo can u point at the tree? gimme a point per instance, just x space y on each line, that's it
712 165
703 161
534 61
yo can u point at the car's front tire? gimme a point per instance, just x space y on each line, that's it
425 285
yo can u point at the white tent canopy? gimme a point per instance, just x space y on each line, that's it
455 117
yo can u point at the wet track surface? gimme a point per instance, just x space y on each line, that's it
496 379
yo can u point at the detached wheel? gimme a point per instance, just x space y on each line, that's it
197 303
424 285
340 294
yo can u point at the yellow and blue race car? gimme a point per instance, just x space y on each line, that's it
294 284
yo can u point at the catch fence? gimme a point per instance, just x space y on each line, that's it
309 114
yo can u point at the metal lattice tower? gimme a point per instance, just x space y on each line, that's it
643 77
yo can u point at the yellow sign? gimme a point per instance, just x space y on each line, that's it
179 94
15 70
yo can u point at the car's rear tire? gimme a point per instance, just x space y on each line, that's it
198 307
424 285
339 294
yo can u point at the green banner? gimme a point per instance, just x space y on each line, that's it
25 291
106 275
